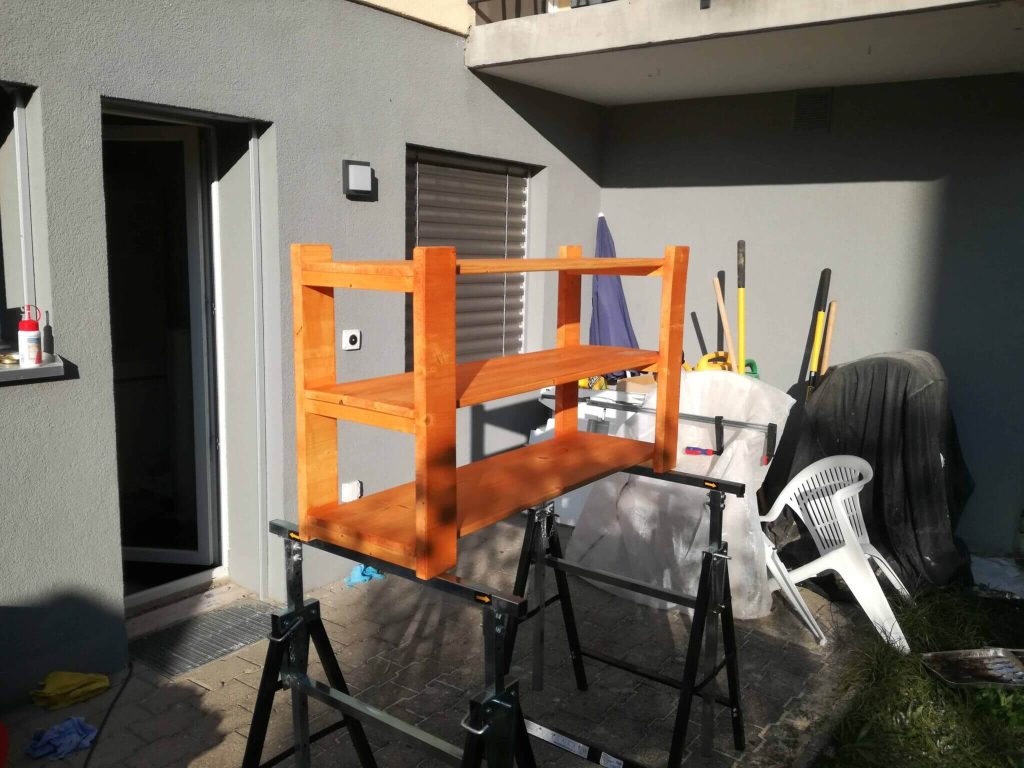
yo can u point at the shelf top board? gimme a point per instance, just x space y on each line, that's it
384 524
485 380
404 269
576 266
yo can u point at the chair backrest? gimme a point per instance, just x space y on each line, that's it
809 494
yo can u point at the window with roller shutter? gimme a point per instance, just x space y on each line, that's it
479 207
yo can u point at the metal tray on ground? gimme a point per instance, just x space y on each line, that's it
978 668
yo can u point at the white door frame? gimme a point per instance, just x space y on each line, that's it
201 332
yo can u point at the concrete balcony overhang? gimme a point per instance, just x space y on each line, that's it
633 51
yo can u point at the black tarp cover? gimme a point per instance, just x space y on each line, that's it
893 411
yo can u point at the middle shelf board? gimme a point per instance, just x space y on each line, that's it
384 524
484 380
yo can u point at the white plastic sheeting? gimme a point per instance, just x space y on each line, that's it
656 531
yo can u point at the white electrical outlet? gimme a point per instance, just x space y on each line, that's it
351 490
351 339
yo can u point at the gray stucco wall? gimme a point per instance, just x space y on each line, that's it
912 198
335 80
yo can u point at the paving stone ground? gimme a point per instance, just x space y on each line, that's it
419 656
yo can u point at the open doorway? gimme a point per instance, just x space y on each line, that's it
160 280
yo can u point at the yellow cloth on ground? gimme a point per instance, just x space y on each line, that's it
62 689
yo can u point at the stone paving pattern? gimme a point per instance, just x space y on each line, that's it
419 656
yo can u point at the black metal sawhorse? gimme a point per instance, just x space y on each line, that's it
541 545
495 726
496 729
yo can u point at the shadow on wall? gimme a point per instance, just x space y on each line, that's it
975 329
965 134
69 632
888 132
571 125
517 418
910 191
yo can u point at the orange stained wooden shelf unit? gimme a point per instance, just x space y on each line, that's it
418 524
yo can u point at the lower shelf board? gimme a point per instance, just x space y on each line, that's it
383 524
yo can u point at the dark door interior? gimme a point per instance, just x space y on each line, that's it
155 384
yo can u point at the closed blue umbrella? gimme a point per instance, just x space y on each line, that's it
609 322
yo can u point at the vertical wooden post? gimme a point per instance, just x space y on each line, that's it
316 446
670 356
569 288
434 396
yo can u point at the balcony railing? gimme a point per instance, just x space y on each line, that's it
499 10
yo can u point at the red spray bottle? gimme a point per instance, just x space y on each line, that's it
30 343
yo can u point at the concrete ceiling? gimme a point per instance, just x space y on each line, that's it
948 42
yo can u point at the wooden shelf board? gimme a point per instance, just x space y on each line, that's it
384 524
578 266
396 275
485 380
391 268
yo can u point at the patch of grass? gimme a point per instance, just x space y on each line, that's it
902 716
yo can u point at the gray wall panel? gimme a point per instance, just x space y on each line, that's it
912 198
336 80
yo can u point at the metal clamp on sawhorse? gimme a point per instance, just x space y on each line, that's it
713 601
495 727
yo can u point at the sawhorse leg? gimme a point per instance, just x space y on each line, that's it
291 632
541 540
495 726
715 597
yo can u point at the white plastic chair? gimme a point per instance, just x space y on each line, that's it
826 496
779 580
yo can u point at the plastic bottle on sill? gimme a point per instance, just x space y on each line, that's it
30 343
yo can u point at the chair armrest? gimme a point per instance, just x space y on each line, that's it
838 499
773 513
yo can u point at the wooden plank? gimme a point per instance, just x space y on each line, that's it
499 377
328 273
383 524
386 394
344 535
380 268
569 288
575 265
732 363
670 359
316 445
434 397
499 486
485 380
357 281
366 416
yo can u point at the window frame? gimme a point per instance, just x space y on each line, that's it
20 95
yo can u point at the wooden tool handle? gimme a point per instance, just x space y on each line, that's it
827 348
724 318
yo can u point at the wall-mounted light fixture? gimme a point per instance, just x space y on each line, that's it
358 180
